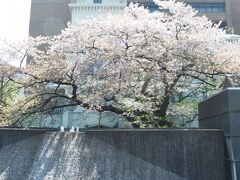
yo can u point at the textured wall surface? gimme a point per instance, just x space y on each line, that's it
113 154
18 149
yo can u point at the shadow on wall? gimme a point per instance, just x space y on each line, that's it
17 152
172 154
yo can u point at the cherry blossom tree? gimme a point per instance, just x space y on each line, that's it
131 64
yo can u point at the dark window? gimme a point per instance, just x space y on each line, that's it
151 6
223 24
97 1
208 7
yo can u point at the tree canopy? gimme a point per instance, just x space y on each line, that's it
130 64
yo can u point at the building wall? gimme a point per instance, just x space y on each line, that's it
233 15
48 17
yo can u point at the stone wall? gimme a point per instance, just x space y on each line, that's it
113 154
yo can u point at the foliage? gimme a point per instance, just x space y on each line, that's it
8 92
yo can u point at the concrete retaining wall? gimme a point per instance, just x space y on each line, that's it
222 111
113 154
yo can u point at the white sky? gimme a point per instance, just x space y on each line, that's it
14 19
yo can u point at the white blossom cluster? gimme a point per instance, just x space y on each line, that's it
135 60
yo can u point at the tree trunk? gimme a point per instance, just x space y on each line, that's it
162 111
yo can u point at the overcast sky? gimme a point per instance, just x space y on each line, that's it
14 19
